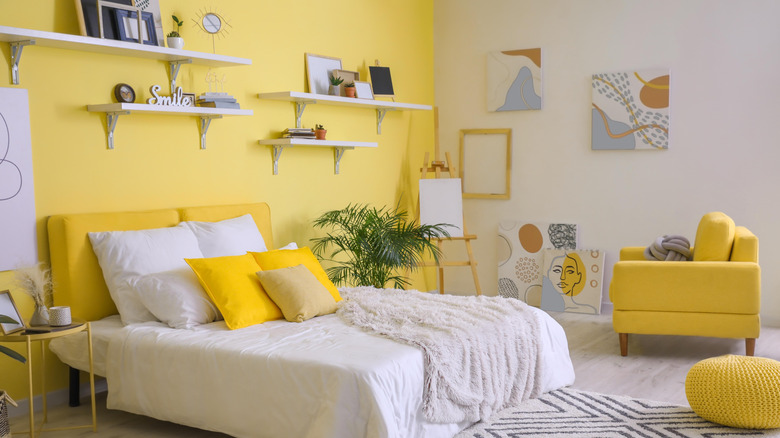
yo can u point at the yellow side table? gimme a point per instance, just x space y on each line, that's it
53 332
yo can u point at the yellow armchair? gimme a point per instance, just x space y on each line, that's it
717 294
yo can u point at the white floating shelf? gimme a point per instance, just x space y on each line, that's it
338 147
114 110
19 38
302 99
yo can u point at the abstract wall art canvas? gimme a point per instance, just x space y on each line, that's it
521 254
572 280
630 110
514 80
17 197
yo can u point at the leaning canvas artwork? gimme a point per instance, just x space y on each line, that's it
572 280
514 80
630 110
520 256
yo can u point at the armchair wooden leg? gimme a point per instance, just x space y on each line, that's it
623 344
750 346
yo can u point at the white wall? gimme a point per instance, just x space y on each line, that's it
724 57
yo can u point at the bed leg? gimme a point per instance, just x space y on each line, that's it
74 397
623 344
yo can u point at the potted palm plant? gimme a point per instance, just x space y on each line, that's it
379 245
4 319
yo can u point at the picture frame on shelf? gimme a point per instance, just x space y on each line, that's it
127 27
348 76
90 23
363 90
8 308
381 81
318 70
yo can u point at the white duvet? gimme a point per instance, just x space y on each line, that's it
319 378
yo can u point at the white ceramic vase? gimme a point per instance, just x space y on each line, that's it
175 42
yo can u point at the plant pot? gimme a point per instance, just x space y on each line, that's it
333 90
350 91
175 42
319 134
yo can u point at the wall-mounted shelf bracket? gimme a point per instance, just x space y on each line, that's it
205 122
300 107
380 115
174 71
111 119
16 55
338 152
277 153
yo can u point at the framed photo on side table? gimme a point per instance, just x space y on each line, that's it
318 71
8 308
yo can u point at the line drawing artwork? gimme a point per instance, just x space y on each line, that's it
10 175
630 110
18 225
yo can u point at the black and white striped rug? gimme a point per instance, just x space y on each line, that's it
571 413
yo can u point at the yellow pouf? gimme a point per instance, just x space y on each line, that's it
736 391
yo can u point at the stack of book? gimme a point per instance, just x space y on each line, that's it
298 133
218 100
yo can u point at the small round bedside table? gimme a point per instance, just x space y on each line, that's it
42 334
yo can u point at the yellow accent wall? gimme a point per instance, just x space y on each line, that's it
157 161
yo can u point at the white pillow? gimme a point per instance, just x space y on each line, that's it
126 255
176 298
291 245
230 237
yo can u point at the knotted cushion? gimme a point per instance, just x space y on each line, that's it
670 248
736 391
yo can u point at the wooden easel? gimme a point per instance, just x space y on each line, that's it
437 167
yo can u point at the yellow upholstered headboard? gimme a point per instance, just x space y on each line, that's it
78 279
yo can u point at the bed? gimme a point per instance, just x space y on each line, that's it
318 378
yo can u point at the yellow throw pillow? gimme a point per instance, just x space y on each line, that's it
714 238
285 258
297 292
231 283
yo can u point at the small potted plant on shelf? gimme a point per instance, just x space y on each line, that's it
349 89
319 132
335 81
174 40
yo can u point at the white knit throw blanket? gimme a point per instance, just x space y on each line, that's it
480 352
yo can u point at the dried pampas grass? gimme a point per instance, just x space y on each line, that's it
35 281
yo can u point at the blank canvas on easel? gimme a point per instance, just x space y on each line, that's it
441 202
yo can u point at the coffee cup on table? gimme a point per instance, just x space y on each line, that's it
59 316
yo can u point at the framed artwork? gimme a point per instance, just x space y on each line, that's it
8 308
514 80
381 82
486 163
128 27
572 280
90 23
17 193
520 255
630 110
348 76
318 71
363 90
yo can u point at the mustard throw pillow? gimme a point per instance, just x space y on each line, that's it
285 258
714 238
297 292
231 283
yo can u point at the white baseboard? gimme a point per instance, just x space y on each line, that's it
54 398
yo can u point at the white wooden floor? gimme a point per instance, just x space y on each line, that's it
655 368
